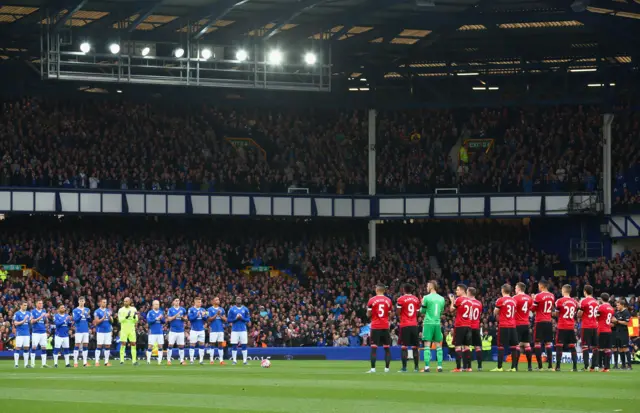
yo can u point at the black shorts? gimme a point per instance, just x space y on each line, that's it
589 337
462 336
621 340
476 338
409 336
507 337
543 332
604 341
380 337
565 337
523 334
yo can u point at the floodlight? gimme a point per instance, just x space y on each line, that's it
206 54
85 47
145 51
310 58
114 48
275 57
179 52
242 55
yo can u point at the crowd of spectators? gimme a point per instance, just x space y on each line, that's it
319 295
113 144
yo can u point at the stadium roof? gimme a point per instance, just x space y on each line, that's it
388 39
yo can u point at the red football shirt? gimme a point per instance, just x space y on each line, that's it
567 309
605 314
476 311
589 307
507 315
409 306
380 307
543 306
463 312
523 307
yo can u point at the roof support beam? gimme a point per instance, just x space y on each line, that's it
303 7
64 19
220 10
143 15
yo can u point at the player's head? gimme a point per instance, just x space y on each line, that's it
380 289
521 288
81 301
432 286
604 297
61 309
176 302
103 303
127 301
407 288
197 303
461 290
471 292
588 291
621 304
23 306
566 290
155 305
238 301
506 290
216 301
39 304
543 285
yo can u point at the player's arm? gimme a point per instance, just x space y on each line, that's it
170 318
212 316
223 316
192 315
496 311
135 316
369 311
424 307
398 310
19 323
150 318
453 302
77 315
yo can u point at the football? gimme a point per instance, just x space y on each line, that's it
265 364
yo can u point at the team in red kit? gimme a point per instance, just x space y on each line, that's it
513 316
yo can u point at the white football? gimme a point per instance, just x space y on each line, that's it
265 364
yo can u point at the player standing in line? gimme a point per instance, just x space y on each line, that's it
507 334
476 337
102 319
239 317
128 318
155 320
62 322
605 317
621 341
176 317
21 323
523 307
462 328
543 328
432 307
39 321
379 310
196 316
81 316
216 330
566 309
407 310
588 313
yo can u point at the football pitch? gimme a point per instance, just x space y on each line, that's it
310 386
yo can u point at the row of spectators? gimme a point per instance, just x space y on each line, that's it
166 146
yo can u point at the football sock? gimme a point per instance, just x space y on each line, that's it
221 354
387 356
170 353
558 355
212 353
134 353
148 355
33 357
479 358
467 358
43 357
595 358
500 356
601 359
527 353
107 354
405 357
56 354
585 357
123 349
373 356
574 356
629 358
97 354
160 356
85 355
66 356
76 353
538 350
192 353
615 358
181 354
245 354
26 358
458 358
234 355
427 356
607 359
549 350
416 358
439 355
515 357
16 356
201 353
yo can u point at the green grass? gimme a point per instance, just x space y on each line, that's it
310 387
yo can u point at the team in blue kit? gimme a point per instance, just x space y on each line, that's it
32 329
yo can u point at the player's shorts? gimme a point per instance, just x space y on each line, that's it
589 337
523 334
176 338
604 341
82 338
196 337
23 341
476 338
127 335
565 337
39 339
156 339
462 336
103 339
380 337
238 337
543 332
507 337
409 336
61 342
621 340
216 337
432 333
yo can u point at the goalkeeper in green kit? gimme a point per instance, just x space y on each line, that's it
432 306
128 317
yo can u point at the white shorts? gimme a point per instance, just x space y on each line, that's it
196 337
23 341
82 338
156 339
216 337
39 339
238 337
176 338
103 339
61 342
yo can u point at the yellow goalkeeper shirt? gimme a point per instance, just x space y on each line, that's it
128 318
